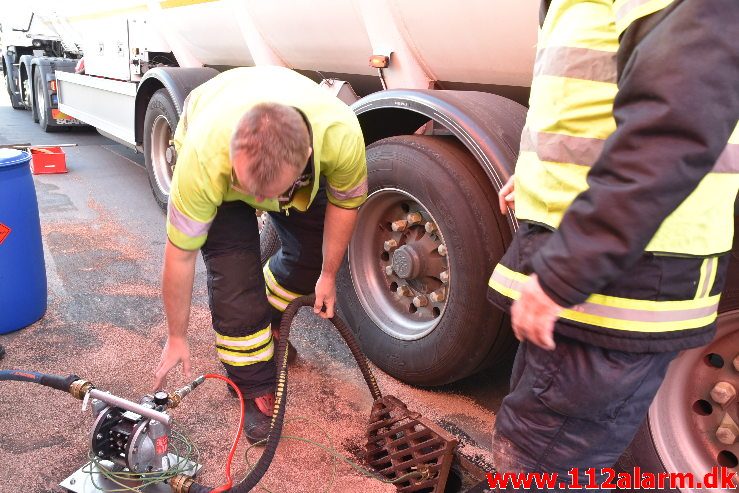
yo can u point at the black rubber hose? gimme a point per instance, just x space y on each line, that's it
57 382
278 414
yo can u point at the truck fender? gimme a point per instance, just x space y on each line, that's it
489 126
177 81
10 73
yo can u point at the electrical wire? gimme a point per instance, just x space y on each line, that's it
229 480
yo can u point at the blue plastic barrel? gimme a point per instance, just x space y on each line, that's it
23 294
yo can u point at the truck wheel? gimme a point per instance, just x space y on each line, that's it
42 103
682 430
160 123
415 280
269 240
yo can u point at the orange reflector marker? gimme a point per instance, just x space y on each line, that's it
379 61
58 115
52 85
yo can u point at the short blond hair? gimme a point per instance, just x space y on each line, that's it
273 136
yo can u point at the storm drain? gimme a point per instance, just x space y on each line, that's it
401 442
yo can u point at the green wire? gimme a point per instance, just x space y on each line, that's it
191 454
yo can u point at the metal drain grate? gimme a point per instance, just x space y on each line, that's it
400 442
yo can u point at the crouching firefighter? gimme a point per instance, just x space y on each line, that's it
624 189
270 139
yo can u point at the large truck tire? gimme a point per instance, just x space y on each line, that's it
415 292
269 240
160 123
42 104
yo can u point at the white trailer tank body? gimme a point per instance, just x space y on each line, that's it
468 41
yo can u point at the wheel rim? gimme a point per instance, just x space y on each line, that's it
685 417
40 101
399 265
162 153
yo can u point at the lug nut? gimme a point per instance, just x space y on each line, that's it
442 250
405 291
444 277
389 270
726 435
736 363
723 393
430 227
390 245
438 296
420 301
399 225
728 431
414 218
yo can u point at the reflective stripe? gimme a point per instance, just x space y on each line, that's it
239 359
627 11
701 280
628 6
576 63
560 148
711 270
247 342
728 161
276 302
352 193
274 286
186 225
621 313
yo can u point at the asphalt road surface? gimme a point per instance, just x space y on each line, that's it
104 239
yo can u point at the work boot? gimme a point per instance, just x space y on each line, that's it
292 353
257 417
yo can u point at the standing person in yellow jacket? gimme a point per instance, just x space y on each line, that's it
262 138
624 190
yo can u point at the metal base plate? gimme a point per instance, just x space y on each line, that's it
81 481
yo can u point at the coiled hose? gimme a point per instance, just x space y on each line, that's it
57 382
278 413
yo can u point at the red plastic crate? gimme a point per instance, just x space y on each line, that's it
48 160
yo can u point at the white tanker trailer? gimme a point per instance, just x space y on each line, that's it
440 89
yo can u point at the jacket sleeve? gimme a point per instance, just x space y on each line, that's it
677 104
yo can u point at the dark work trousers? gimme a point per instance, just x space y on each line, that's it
236 284
576 406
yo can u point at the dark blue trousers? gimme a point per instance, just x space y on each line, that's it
236 284
578 406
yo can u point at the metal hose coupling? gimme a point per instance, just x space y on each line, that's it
175 398
181 483
80 388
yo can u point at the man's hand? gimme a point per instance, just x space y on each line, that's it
175 351
325 296
507 196
533 315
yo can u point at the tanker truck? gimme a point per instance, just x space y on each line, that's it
440 90
31 52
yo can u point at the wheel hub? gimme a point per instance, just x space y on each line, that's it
407 263
399 274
